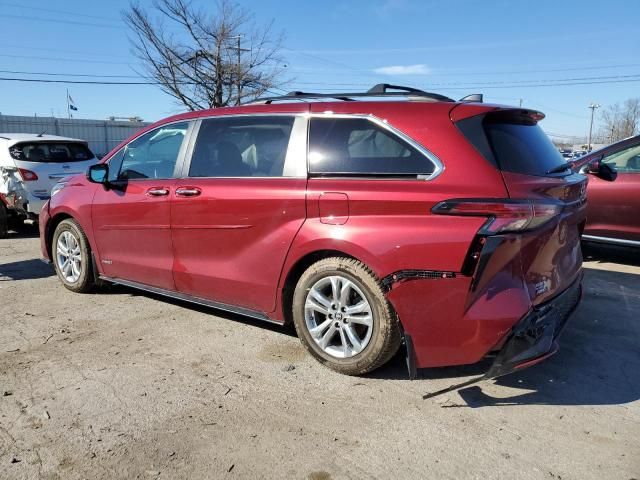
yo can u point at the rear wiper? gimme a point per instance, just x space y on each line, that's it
559 168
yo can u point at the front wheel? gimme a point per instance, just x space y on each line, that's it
72 257
343 318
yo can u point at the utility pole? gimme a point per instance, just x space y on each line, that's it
238 74
68 109
593 107
217 56
239 50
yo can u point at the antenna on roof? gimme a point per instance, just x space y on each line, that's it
42 133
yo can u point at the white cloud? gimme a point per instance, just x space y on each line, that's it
419 69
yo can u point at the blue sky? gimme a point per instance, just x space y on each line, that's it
498 47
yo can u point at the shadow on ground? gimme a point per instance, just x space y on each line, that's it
24 231
25 270
601 253
599 359
274 327
598 363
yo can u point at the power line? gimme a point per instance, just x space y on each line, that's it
87 82
78 60
56 20
97 82
64 12
88 75
510 82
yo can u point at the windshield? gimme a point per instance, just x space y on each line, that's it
46 152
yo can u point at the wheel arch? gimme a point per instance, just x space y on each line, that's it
52 224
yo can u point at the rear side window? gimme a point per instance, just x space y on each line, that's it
51 152
513 143
360 147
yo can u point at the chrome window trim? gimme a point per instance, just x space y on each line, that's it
292 168
616 241
384 124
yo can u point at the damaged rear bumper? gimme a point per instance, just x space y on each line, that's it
534 338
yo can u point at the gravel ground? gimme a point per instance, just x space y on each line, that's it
126 385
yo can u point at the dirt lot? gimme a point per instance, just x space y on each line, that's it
126 385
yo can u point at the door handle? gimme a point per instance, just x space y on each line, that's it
188 191
158 192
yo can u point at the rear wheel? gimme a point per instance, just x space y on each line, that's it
343 318
72 257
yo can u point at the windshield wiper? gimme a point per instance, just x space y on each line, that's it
559 168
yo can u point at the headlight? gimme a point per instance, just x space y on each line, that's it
57 187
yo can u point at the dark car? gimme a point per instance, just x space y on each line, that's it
613 210
449 226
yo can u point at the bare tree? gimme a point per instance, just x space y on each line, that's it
202 59
621 121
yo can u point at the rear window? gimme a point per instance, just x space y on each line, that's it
360 147
513 142
56 152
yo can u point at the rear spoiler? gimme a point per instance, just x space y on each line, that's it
463 110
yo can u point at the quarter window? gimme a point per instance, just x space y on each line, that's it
154 154
357 146
241 147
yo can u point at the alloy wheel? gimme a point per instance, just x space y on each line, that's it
69 257
338 316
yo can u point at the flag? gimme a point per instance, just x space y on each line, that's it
72 104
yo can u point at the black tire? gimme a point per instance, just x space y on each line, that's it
386 335
4 221
85 282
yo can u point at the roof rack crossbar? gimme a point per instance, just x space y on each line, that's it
379 90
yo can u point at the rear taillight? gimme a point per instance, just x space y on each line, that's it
27 175
504 215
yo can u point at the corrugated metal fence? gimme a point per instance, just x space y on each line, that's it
102 135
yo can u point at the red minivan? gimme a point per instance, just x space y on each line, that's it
368 220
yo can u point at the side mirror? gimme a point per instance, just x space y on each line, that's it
594 167
98 173
602 170
607 172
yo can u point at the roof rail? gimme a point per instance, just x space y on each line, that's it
379 90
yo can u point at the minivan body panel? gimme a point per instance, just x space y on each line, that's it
132 231
230 241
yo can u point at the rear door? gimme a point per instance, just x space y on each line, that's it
613 210
132 217
238 207
534 170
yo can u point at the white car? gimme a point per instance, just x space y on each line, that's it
30 165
